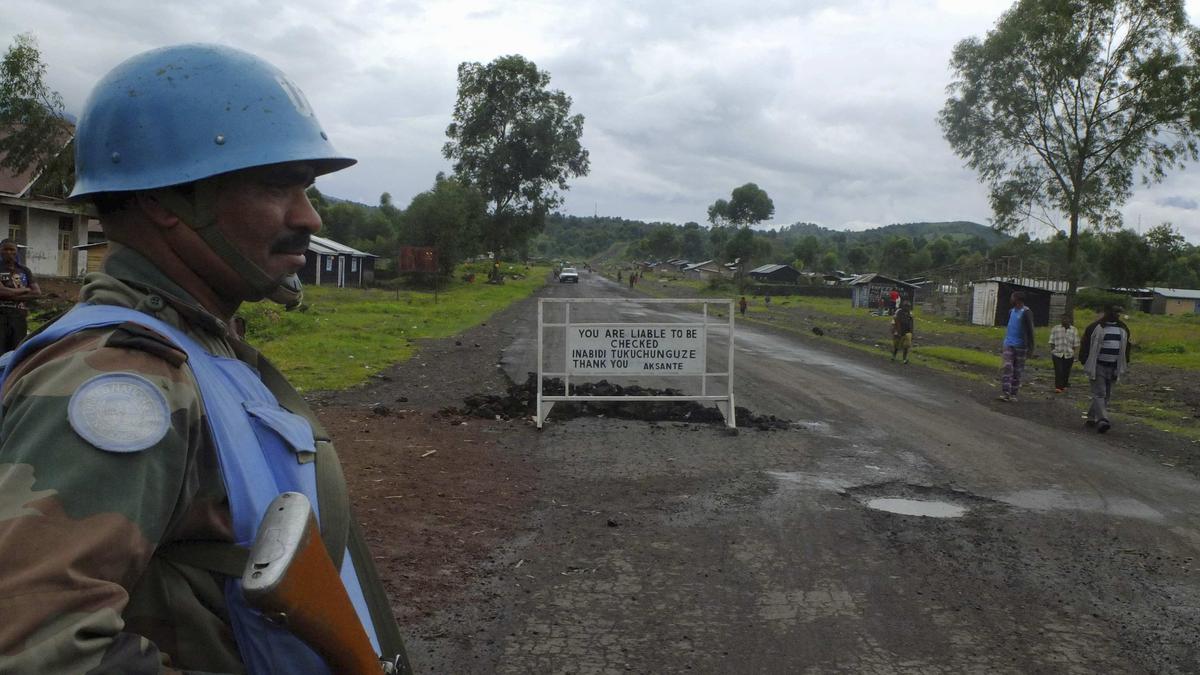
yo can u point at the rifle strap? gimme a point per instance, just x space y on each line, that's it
339 530
221 557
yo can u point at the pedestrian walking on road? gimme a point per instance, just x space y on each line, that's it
1105 356
902 331
742 305
1064 344
1018 345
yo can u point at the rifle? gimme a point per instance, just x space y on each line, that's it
290 578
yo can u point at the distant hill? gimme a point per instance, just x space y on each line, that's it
958 230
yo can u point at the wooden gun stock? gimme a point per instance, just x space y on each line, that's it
290 578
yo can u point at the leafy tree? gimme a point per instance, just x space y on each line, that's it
1127 260
896 257
829 261
748 204
806 250
35 132
662 242
1183 271
516 141
859 258
691 243
449 217
743 244
1062 101
921 261
941 252
717 238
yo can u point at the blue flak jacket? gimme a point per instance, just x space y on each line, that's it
238 407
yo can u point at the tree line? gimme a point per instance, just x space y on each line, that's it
1117 258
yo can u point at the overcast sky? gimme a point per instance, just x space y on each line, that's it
828 105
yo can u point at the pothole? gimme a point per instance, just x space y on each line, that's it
926 501
917 507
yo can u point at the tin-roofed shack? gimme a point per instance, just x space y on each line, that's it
991 301
868 288
775 274
332 264
1175 301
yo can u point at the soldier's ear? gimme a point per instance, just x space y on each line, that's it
155 211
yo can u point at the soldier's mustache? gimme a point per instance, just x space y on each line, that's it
293 243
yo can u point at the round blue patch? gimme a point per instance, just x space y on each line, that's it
119 412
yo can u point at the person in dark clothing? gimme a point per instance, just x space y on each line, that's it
742 305
1064 344
16 286
1018 345
1104 352
902 331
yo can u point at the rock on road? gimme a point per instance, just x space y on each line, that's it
670 548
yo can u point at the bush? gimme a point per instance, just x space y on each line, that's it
1099 300
719 284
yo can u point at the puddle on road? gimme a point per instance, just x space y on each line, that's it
917 507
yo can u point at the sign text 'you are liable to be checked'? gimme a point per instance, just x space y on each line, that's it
629 349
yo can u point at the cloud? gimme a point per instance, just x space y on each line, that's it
1178 202
829 105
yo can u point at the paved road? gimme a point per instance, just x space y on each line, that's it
665 548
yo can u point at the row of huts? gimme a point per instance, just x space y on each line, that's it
984 302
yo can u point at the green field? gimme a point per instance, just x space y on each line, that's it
347 334
1168 345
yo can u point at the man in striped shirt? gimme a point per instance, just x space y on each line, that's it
1104 353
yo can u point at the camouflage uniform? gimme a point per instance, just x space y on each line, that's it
82 591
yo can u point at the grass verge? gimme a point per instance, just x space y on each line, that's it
347 334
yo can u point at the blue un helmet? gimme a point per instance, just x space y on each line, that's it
176 116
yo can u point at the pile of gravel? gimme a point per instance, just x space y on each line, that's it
521 400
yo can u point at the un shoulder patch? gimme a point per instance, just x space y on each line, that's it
119 412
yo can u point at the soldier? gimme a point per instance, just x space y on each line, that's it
141 439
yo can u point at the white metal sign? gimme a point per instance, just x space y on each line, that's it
635 349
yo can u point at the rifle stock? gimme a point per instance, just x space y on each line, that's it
289 577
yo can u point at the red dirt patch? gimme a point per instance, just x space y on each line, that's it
434 495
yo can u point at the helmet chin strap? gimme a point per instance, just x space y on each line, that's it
197 212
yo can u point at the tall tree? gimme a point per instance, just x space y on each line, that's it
663 241
747 205
744 245
449 217
1064 99
692 242
806 250
941 252
897 255
1127 260
516 141
33 128
858 257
